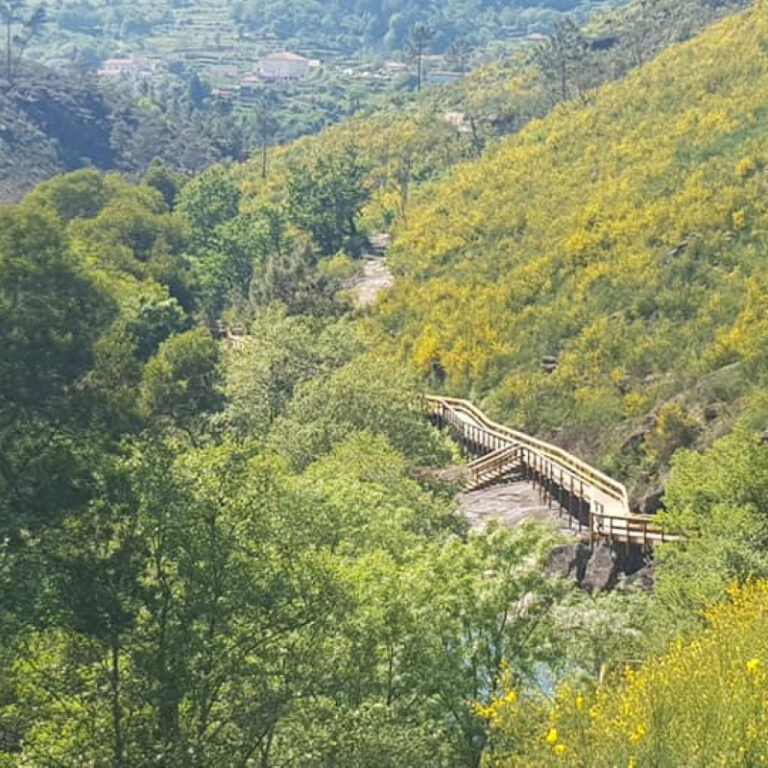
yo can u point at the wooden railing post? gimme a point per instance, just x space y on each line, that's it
545 466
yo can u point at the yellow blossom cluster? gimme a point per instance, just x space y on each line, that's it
705 702
626 237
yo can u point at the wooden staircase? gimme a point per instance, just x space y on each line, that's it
502 464
590 498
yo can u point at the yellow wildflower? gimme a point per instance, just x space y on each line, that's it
579 702
637 734
511 697
745 167
487 713
551 737
559 749
632 763
753 666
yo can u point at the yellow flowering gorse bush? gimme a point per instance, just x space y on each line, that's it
703 703
624 232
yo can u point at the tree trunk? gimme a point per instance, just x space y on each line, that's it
264 158
418 58
563 79
117 719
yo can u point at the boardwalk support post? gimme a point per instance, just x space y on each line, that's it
504 452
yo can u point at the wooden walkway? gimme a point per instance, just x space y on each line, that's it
595 502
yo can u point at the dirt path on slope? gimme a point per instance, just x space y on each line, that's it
376 275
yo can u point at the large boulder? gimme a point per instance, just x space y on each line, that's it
651 503
602 570
599 568
569 561
642 579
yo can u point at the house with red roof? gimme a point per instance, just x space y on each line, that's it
285 66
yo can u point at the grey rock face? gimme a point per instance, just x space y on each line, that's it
602 570
569 561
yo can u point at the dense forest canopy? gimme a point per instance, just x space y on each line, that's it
387 25
54 121
337 26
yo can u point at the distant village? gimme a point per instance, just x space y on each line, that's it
281 67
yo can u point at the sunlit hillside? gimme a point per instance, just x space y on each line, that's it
625 236
703 703
231 531
404 142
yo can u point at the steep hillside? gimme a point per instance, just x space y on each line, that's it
56 121
624 236
406 140
218 553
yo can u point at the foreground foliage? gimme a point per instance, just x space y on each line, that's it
701 703
227 552
218 555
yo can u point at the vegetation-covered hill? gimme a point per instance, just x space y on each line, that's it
60 118
407 139
51 122
242 30
623 235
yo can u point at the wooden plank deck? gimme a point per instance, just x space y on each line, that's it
599 502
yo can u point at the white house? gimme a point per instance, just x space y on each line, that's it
128 68
286 66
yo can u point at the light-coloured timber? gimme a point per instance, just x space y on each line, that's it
598 502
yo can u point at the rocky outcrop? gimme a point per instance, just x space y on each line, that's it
642 579
601 568
602 571
651 503
569 561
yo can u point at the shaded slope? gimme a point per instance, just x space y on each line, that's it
52 122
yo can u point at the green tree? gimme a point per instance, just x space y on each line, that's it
181 383
208 632
12 15
230 269
561 59
325 195
416 46
460 54
719 502
51 315
155 321
280 352
78 195
368 394
265 125
165 180
208 201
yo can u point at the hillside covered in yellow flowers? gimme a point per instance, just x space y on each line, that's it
701 703
227 535
625 235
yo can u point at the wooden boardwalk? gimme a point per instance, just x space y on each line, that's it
596 503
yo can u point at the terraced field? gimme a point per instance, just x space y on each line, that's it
207 35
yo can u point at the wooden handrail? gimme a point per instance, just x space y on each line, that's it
617 524
576 466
